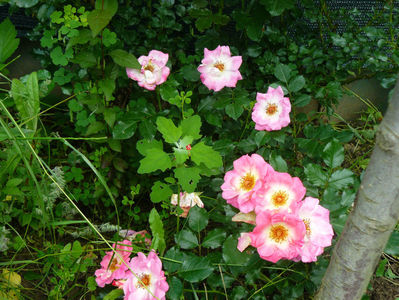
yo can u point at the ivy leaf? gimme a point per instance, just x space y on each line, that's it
155 159
195 269
197 218
170 132
282 73
186 239
160 192
156 225
333 154
125 59
201 153
214 239
296 84
188 178
98 19
191 126
8 41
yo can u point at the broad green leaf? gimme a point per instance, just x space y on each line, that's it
188 178
23 3
190 73
111 6
174 259
175 288
59 57
201 153
254 30
155 159
124 129
125 59
110 116
169 93
282 73
108 87
147 129
186 239
231 255
85 59
341 179
98 19
203 22
277 7
197 218
278 163
333 154
296 84
144 145
170 132
181 155
234 109
214 238
114 294
195 268
94 128
191 126
160 192
315 175
392 246
302 100
156 225
8 41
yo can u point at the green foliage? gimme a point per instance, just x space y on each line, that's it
8 41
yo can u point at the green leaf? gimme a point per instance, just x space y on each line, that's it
85 59
190 73
111 6
108 87
278 163
155 159
175 288
302 100
191 127
170 132
60 58
114 294
234 109
231 255
124 129
341 179
195 268
181 155
188 178
125 59
197 218
160 192
392 246
296 84
156 225
8 41
333 154
98 19
282 73
186 239
23 3
203 23
315 175
144 145
94 128
214 239
277 7
174 260
168 93
201 153
254 30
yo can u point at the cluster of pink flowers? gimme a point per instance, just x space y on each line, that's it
286 225
140 277
218 69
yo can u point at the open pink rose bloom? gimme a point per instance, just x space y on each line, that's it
112 267
219 69
152 284
286 226
153 70
271 110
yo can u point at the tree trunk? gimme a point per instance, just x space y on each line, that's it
373 218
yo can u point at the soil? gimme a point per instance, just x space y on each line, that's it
384 288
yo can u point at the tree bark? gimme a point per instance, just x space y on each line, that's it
373 218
